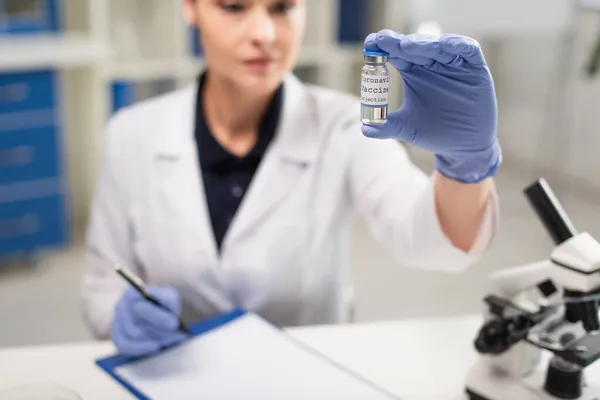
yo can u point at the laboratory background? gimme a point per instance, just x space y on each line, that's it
67 65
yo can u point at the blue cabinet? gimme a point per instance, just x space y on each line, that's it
122 95
32 205
196 45
31 224
29 155
29 16
127 93
353 21
24 91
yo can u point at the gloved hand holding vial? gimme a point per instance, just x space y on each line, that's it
449 103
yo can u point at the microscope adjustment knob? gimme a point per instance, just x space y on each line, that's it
567 338
564 380
493 337
500 334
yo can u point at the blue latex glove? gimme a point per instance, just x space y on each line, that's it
140 327
449 103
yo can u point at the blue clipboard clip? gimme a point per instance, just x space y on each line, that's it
110 364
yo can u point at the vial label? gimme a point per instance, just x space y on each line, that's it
374 90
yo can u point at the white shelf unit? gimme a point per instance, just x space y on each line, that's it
50 51
104 41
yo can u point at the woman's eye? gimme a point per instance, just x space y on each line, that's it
282 7
232 7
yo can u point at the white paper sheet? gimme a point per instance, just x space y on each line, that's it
246 359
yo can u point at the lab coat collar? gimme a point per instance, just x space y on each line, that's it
177 173
291 154
294 140
296 136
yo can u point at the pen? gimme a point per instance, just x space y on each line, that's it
137 283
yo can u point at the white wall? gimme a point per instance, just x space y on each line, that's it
549 110
539 124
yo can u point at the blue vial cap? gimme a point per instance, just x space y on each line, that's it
375 53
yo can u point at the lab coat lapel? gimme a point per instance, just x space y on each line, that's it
180 178
290 155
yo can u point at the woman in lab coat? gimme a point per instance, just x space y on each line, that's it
239 190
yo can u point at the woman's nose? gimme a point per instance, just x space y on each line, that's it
261 27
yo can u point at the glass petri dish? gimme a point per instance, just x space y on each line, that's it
39 391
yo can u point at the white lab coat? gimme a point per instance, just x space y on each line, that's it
286 253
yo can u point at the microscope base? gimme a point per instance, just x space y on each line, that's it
485 384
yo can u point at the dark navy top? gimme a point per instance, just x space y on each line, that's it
226 176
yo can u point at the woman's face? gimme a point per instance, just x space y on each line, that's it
252 43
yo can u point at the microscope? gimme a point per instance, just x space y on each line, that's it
541 320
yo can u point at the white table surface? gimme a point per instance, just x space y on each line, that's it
416 359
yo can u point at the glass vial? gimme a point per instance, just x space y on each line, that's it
375 83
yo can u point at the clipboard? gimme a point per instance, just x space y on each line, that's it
222 327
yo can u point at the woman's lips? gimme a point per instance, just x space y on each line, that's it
259 63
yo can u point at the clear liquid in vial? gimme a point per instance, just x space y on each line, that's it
373 115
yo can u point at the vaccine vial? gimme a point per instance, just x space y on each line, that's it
375 83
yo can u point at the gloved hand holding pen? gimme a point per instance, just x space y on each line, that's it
449 102
140 327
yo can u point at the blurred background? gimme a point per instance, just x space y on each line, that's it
67 65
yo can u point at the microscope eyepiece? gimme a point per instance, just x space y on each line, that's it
550 211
